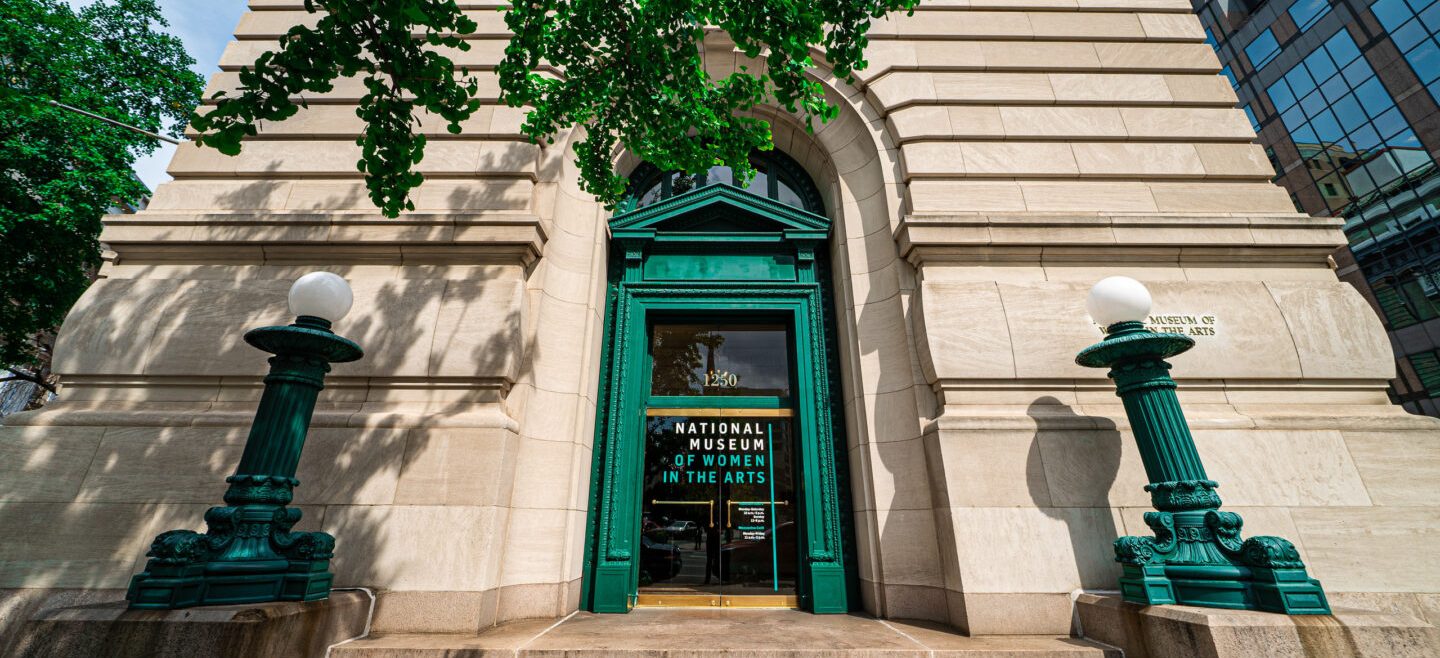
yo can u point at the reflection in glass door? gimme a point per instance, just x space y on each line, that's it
719 497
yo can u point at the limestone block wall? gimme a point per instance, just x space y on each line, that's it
995 159
1043 148
451 462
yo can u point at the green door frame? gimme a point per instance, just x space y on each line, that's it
717 249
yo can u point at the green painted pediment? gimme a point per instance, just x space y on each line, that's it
719 209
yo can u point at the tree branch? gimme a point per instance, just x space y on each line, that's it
27 377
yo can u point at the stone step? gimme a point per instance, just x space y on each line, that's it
701 633
1158 631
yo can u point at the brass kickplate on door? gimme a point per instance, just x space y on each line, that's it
762 601
678 600
715 601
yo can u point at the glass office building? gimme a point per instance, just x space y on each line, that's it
1343 94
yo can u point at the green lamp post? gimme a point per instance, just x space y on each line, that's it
1196 556
248 553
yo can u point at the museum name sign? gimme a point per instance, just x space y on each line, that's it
1185 324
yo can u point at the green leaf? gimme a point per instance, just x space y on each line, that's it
632 74
61 171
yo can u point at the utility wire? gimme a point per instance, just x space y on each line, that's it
116 123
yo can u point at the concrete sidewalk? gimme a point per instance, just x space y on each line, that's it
680 632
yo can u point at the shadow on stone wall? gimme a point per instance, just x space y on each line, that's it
1070 468
85 487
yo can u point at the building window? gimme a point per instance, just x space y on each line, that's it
1413 26
1345 124
1274 161
1368 167
1212 17
1427 370
1263 49
1250 114
777 176
1230 75
1306 12
1392 305
1409 297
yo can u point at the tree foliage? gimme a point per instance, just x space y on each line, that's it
631 72
394 46
61 171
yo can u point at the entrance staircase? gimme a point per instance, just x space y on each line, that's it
701 633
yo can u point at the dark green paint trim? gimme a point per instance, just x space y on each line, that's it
719 267
735 202
717 402
827 583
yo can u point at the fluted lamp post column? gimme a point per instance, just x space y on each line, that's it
248 553
1196 556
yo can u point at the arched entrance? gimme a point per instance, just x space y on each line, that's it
718 480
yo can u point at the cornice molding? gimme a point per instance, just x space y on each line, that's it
275 237
1141 238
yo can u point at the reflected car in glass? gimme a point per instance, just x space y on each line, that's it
682 529
749 561
659 562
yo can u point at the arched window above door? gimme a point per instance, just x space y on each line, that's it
777 176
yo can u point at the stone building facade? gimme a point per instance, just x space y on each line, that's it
995 159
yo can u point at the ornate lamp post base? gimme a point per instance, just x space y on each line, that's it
1214 568
1196 556
248 553
188 568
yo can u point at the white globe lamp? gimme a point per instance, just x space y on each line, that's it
323 295
1118 299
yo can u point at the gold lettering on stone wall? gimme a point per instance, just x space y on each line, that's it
1185 324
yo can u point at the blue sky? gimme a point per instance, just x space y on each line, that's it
205 26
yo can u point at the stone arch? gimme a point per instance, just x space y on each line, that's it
855 162
553 400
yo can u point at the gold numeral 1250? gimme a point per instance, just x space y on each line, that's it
721 378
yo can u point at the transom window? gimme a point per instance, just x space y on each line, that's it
777 176
726 359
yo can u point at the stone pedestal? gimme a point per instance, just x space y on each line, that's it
301 630
1178 630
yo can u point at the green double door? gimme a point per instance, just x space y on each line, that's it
718 476
719 496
